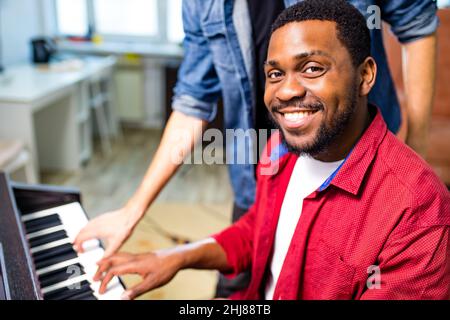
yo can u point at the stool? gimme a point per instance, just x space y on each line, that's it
16 161
98 106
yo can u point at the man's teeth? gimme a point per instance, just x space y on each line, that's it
295 116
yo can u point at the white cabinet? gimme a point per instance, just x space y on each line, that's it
130 93
48 109
140 92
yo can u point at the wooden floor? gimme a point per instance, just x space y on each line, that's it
196 203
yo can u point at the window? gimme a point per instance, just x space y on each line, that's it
443 3
118 20
126 17
174 21
71 16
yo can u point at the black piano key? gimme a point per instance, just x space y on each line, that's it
56 259
52 252
60 275
42 223
47 238
84 296
66 292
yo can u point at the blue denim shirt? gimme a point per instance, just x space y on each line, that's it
219 62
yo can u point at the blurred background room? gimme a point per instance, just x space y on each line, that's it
85 92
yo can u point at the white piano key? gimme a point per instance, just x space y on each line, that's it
114 291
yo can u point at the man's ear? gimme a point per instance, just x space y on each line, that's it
368 75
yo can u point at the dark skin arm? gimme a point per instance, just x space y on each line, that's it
158 268
419 73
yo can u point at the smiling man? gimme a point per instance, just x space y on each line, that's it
348 211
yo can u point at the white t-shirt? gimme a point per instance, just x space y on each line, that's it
308 175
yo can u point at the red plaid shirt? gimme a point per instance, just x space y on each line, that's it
384 216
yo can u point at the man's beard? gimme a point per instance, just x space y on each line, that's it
326 135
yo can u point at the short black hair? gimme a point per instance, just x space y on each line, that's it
351 26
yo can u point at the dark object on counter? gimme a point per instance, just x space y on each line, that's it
43 49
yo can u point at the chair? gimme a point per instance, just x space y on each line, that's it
16 161
101 104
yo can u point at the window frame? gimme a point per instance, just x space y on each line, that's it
161 37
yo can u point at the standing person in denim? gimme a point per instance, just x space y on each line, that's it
220 62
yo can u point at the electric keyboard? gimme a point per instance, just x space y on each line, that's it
37 261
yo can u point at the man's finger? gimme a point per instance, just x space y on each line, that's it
139 289
80 239
109 275
103 265
116 271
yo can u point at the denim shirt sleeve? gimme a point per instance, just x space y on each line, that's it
198 87
410 19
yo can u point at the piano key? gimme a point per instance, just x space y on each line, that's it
89 295
26 213
65 292
39 214
50 245
60 275
70 283
42 220
114 290
56 259
52 252
47 238
57 266
44 232
42 223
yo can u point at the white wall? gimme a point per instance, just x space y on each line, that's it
20 21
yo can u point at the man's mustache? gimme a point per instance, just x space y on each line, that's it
297 103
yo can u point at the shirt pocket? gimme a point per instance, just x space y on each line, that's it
326 276
216 35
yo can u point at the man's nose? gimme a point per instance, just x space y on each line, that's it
290 88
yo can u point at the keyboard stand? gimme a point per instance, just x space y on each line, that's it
4 285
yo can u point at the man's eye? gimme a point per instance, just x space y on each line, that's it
274 74
313 69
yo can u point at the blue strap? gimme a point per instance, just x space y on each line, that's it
335 172
278 152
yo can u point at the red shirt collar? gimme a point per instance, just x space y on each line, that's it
353 171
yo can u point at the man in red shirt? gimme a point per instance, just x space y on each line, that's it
343 209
